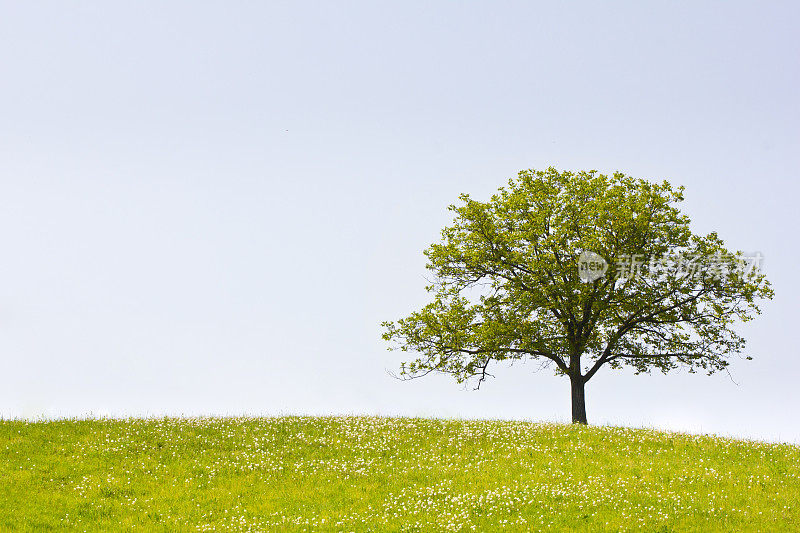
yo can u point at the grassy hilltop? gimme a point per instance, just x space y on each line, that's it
387 474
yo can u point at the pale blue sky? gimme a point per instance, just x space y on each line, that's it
209 208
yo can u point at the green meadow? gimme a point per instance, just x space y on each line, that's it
387 474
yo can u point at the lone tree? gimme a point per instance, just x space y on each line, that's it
581 271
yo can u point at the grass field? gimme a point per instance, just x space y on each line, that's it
387 474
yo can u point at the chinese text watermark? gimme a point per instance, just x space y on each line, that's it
592 266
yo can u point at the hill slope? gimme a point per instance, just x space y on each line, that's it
385 474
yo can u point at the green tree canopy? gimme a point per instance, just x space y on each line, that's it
506 284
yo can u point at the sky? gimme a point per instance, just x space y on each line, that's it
209 208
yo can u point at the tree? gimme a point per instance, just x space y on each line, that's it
648 293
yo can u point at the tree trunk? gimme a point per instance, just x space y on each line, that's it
578 399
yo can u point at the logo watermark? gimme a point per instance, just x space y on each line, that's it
591 266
